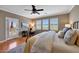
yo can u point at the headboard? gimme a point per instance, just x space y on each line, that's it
76 25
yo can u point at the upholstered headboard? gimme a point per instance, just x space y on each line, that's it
76 25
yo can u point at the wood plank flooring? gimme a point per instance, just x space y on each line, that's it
4 46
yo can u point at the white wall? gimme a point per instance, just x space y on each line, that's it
2 28
74 14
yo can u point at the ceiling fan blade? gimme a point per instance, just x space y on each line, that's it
27 10
40 10
33 6
38 13
35 13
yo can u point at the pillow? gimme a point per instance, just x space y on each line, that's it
61 34
65 29
77 42
70 37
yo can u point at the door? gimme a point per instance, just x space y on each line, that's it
12 28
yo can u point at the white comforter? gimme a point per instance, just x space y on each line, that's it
49 42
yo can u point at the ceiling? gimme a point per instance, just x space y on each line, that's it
48 10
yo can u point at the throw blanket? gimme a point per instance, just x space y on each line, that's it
31 41
44 43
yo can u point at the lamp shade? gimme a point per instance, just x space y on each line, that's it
68 25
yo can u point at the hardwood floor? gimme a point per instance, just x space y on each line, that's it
4 46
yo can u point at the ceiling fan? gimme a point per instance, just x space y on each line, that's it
34 10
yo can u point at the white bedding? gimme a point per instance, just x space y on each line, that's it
49 42
44 42
62 47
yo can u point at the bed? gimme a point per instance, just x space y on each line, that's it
49 42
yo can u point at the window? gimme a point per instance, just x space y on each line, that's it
38 24
45 24
54 24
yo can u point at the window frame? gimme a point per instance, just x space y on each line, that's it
40 24
49 22
53 23
44 24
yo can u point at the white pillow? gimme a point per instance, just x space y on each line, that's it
61 34
70 37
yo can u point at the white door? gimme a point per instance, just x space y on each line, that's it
12 28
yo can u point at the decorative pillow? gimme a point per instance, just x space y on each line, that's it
77 42
66 29
61 34
70 37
